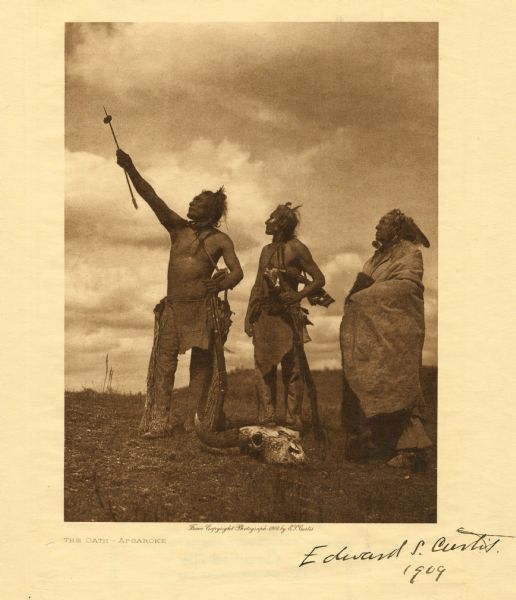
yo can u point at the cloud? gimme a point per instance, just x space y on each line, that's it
340 273
98 205
341 118
293 83
270 58
128 356
116 257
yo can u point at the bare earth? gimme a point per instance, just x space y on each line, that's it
111 474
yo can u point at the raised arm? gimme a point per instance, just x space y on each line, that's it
167 217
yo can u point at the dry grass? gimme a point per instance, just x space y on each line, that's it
113 475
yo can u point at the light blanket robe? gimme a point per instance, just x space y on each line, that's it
382 334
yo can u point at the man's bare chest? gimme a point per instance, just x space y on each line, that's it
281 256
189 243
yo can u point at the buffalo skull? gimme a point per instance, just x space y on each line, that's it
274 444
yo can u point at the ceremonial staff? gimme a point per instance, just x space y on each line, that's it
107 121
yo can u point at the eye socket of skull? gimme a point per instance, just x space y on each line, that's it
294 449
257 439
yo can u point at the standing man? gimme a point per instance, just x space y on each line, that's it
381 337
275 319
182 318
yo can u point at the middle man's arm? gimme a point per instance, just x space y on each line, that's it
309 266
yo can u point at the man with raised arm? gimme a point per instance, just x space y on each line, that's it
182 318
275 319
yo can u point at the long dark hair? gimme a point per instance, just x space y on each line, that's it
219 205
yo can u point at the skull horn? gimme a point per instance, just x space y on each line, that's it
216 439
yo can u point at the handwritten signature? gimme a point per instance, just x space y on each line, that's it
481 542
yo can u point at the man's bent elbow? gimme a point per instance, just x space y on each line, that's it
239 276
234 278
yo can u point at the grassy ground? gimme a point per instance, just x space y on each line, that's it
113 475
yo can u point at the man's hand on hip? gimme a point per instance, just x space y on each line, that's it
215 284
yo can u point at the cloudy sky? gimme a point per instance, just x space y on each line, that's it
338 117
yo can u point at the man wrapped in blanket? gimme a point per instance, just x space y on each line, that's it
381 336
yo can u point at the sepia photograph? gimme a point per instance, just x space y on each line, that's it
251 285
